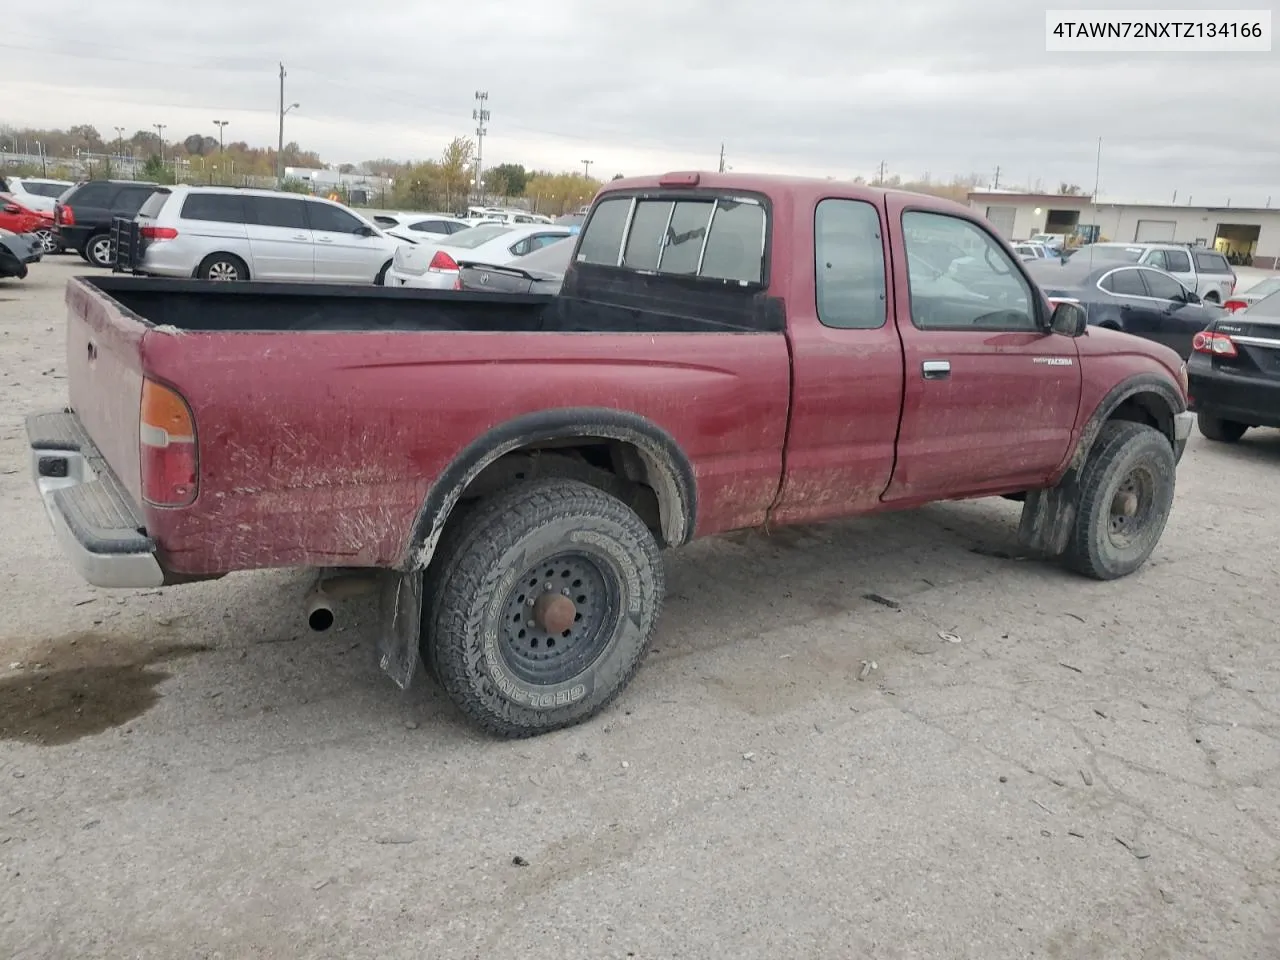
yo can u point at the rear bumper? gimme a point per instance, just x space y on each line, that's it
94 519
420 281
1242 399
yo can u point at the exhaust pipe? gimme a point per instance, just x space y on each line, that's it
320 599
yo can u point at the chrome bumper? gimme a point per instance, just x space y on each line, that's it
94 518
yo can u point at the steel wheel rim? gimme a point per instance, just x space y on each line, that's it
1132 507
536 652
101 251
222 270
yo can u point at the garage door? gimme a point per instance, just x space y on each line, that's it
1154 231
1002 219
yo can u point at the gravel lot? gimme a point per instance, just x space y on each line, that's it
1093 770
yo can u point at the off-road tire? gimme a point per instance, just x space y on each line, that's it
222 268
1223 431
93 247
505 539
1123 450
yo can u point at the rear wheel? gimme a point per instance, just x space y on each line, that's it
98 250
1126 494
1223 431
543 607
222 267
1212 297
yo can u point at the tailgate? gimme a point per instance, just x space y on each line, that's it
104 374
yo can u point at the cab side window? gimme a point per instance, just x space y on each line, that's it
961 278
848 250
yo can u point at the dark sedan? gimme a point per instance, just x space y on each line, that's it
1235 372
1139 300
16 251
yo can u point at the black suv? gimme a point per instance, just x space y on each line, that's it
83 218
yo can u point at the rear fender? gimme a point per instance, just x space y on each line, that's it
1049 514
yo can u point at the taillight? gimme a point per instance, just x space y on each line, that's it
159 233
1215 344
1234 305
64 215
167 435
442 263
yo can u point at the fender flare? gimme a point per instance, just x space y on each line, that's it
1049 514
666 465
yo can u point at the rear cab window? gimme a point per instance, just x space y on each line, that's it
711 235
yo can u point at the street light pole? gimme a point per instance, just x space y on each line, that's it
119 143
221 125
160 133
586 168
280 146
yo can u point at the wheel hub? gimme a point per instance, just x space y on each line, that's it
553 613
1131 507
559 617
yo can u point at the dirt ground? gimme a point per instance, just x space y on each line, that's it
1088 771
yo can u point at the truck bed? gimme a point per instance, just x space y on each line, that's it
589 304
323 415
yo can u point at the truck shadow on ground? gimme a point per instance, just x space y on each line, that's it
264 661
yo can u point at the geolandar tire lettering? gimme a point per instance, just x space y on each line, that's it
1126 494
542 606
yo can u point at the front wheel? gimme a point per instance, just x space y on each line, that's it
1223 431
98 251
544 607
1126 494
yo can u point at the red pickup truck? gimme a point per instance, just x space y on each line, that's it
727 351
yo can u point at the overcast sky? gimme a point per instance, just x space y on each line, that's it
824 87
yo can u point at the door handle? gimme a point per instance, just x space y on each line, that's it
301 236
324 239
936 369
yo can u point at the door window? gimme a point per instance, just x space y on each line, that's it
960 277
1156 259
1175 261
438 227
284 212
1125 283
332 219
848 255
218 207
1161 286
91 195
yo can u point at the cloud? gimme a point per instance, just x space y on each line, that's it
806 86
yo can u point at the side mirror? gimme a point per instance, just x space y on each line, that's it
1192 297
1069 319
365 231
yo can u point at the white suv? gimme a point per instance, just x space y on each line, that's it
35 193
225 233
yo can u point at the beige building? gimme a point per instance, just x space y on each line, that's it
1241 231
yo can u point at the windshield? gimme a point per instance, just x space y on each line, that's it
1265 288
474 237
53 190
553 258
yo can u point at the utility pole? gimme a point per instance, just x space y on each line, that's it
586 168
883 171
280 145
722 156
221 125
481 116
995 185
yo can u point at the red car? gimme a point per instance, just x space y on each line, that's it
19 219
726 351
